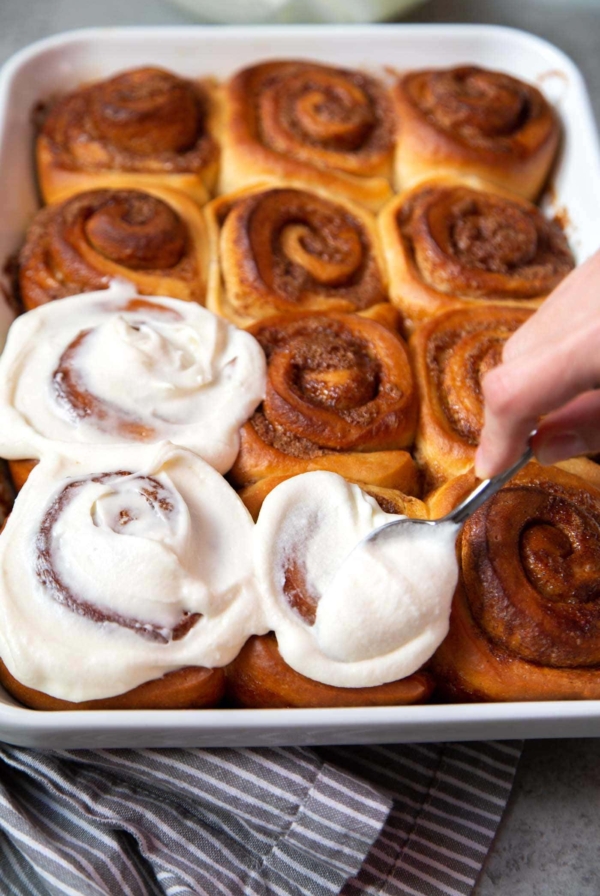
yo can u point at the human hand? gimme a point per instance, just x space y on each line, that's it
551 367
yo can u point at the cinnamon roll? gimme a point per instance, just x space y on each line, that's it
313 124
451 353
315 655
125 574
475 122
525 622
340 396
155 239
176 372
282 249
448 245
390 500
142 128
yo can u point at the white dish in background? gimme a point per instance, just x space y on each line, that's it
240 12
61 63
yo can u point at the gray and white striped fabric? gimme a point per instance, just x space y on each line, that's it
386 820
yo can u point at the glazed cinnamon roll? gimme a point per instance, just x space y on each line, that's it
155 239
142 128
340 396
306 527
284 249
176 372
448 245
451 353
525 622
131 567
319 126
475 122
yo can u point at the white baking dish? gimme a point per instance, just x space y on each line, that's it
62 62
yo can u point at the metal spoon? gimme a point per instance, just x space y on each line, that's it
472 502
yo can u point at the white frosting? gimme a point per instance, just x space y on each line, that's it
185 375
382 610
171 539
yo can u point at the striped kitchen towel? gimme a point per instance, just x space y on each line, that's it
386 820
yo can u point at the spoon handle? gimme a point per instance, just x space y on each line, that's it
485 490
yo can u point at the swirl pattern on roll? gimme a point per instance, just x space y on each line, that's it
449 245
286 249
154 239
176 372
143 121
335 384
306 528
470 120
124 574
485 108
311 123
526 617
451 355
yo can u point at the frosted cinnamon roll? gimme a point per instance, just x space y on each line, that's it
120 570
340 396
390 500
372 636
283 249
448 245
451 354
155 239
142 128
475 122
525 622
176 372
309 123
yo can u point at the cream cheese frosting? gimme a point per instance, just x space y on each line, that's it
121 566
378 613
109 367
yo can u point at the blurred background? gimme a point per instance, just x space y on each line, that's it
548 842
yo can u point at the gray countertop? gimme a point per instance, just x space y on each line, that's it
548 841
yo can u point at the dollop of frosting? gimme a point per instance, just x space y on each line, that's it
122 566
110 367
346 617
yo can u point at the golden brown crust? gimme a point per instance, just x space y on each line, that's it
155 239
282 249
472 121
449 245
19 471
313 124
525 622
450 355
259 678
339 386
144 127
189 688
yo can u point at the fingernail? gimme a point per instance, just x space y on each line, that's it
560 447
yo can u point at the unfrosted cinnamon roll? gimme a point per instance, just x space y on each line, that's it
525 622
126 576
155 239
306 527
110 367
282 249
313 124
451 354
340 396
475 122
145 127
448 245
